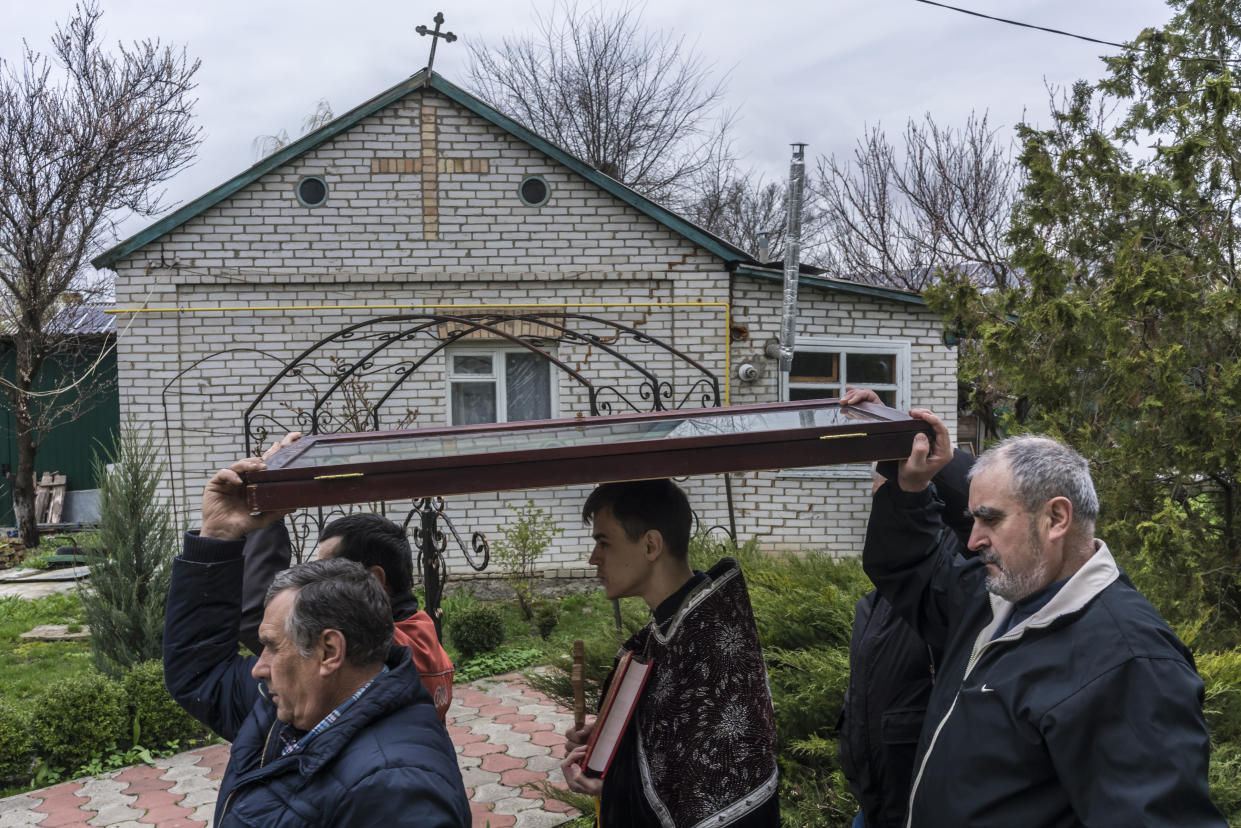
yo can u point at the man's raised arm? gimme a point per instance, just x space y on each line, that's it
909 554
202 668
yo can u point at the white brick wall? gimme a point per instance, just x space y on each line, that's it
798 511
259 271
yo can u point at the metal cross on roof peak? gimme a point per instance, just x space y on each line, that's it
449 37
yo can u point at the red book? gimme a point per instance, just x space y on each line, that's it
615 713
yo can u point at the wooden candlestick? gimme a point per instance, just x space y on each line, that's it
579 685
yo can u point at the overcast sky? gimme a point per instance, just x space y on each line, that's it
817 71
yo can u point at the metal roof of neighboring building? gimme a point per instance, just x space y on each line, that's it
76 319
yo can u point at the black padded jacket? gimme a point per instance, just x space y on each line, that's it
891 670
1089 712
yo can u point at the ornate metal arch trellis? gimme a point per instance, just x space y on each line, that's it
360 377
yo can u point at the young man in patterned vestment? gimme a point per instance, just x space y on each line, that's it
701 746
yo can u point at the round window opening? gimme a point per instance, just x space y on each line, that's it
534 191
312 191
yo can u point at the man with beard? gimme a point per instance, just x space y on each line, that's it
1062 698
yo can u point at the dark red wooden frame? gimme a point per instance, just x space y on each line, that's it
278 487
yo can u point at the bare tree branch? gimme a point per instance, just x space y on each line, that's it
640 106
80 148
265 145
943 206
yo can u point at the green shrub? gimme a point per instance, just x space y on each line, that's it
131 568
478 629
1225 779
77 718
455 602
502 660
157 719
519 548
16 751
546 617
601 643
40 562
1221 678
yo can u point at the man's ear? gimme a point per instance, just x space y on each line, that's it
653 545
332 647
1059 517
380 575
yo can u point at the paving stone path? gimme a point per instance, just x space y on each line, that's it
507 736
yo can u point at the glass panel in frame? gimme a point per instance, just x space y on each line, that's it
815 366
353 468
871 369
472 364
527 387
812 393
473 403
598 432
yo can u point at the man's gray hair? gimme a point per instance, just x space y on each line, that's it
336 594
1043 468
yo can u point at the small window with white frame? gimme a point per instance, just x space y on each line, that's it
498 385
824 367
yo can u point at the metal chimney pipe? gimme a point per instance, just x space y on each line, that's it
764 247
792 258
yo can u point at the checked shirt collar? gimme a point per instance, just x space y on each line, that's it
289 737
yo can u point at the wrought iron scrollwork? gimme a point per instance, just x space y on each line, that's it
431 543
477 554
377 352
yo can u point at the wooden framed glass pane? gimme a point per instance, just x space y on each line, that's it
888 396
872 369
352 468
815 366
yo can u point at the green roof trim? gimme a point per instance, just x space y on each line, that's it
423 78
840 285
275 160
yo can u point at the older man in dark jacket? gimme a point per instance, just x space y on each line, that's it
330 726
1062 699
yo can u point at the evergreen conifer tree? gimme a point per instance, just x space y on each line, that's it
1126 342
130 569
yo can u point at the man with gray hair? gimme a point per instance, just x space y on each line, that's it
1062 697
330 726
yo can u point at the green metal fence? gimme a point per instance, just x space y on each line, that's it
69 448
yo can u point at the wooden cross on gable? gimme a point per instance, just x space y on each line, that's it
449 37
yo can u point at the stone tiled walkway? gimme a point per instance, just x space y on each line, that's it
507 736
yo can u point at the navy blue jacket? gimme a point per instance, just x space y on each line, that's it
387 760
1089 712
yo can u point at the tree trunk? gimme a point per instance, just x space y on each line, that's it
23 480
23 483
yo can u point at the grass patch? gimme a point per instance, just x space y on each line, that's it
49 545
26 667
